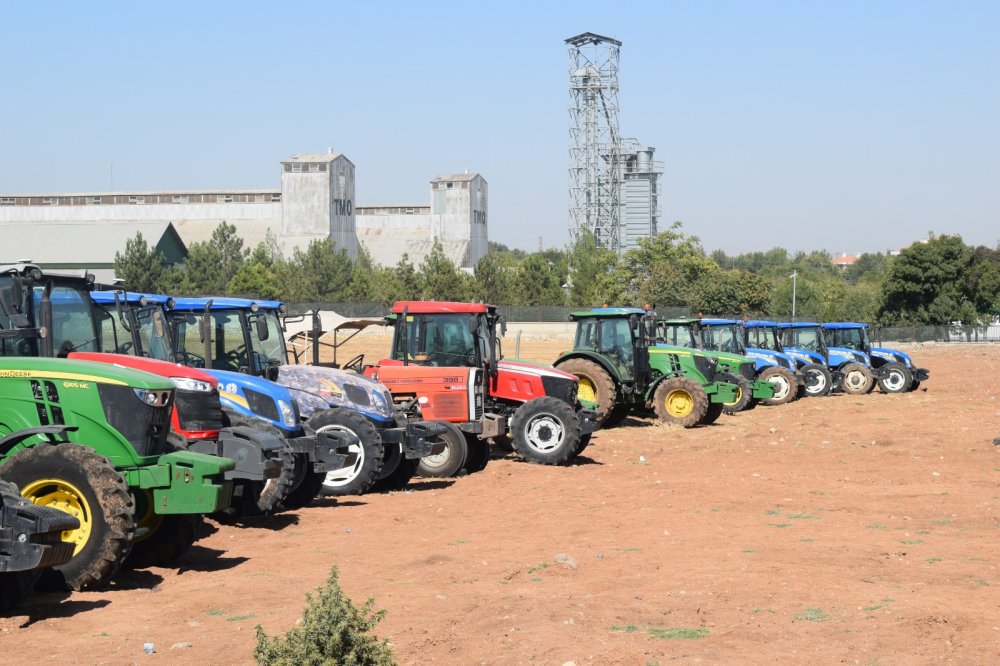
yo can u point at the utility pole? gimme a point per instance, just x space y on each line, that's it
793 276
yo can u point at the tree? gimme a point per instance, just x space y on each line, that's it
259 275
538 283
143 268
211 264
588 261
735 292
497 275
319 273
441 280
927 284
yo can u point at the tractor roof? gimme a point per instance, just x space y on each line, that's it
844 324
681 321
441 307
718 322
760 323
223 303
606 312
798 324
108 297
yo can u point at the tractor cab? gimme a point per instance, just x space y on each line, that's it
620 336
723 335
805 342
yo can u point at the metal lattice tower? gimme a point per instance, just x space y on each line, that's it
595 142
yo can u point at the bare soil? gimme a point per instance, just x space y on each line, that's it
842 529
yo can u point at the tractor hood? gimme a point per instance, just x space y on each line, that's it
317 387
728 357
841 355
764 358
249 395
152 365
536 369
892 355
805 355
77 373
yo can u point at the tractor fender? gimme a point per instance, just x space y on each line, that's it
594 357
651 388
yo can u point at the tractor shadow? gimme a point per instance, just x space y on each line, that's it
48 605
418 485
204 559
273 522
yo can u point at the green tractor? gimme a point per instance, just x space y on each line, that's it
723 346
621 372
91 439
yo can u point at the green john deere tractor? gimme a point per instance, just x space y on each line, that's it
91 439
621 372
730 364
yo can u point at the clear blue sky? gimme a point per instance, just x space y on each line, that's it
847 126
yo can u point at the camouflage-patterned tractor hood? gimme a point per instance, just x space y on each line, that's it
316 388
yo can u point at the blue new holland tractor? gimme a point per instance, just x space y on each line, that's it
850 370
894 369
763 344
774 367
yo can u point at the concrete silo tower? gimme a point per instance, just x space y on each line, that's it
317 196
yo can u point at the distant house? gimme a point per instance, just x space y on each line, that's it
85 246
844 260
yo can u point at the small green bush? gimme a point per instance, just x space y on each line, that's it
332 632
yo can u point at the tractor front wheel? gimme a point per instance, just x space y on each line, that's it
358 477
744 395
784 383
478 456
450 461
397 470
819 381
857 379
896 378
681 400
546 430
78 481
596 385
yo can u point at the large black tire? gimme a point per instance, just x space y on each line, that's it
584 442
358 478
478 453
306 490
169 536
451 460
546 431
596 385
744 396
681 400
786 387
857 379
503 442
914 385
77 480
396 470
896 378
823 383
615 416
712 414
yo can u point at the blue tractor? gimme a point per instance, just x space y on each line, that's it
763 344
246 337
136 325
850 370
895 370
771 366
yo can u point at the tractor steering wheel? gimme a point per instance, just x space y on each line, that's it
356 364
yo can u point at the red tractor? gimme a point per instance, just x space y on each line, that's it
446 365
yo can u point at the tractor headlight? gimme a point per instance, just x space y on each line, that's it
287 414
152 398
189 384
382 401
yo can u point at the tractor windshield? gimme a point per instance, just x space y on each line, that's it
74 325
724 338
681 335
149 337
763 338
809 338
439 340
851 338
267 338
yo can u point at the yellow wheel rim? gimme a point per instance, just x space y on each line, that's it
678 403
59 494
147 520
586 390
736 400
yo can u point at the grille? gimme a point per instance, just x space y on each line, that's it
262 405
145 427
704 365
478 393
563 388
197 410
357 395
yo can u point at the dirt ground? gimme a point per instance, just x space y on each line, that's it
845 529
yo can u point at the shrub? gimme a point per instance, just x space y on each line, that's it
332 632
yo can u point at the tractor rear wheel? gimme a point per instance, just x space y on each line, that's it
914 385
681 400
160 540
450 461
617 414
712 414
546 430
358 477
478 456
784 383
857 379
596 385
78 481
821 380
896 378
744 396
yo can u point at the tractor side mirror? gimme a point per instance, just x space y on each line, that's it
262 331
503 326
473 324
633 322
159 326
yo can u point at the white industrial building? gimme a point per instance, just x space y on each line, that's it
316 200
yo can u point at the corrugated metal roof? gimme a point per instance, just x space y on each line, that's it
136 193
311 157
457 177
75 242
